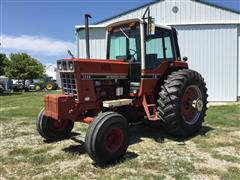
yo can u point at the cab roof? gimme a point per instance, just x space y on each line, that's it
135 20
82 27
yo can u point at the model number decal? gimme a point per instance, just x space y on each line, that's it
103 77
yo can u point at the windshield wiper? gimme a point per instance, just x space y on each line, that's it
124 33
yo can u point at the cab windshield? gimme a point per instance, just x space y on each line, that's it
124 43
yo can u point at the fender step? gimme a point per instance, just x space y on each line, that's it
117 103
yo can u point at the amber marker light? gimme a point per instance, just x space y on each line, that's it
109 29
132 24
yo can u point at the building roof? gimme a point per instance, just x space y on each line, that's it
81 27
156 1
217 6
129 11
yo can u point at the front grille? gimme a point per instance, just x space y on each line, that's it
69 84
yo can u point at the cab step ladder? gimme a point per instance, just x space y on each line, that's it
150 108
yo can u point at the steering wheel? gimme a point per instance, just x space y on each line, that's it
134 52
132 55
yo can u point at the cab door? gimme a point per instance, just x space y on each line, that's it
159 48
154 50
124 43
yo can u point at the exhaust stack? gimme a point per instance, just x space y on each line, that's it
87 16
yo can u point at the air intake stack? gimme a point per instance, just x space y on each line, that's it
87 16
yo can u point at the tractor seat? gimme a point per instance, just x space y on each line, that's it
151 61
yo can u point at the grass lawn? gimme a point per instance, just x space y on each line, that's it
213 154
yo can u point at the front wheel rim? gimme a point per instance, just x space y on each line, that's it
114 140
37 88
59 126
192 104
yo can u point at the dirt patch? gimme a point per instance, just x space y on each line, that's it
228 151
226 138
43 175
235 134
209 162
204 177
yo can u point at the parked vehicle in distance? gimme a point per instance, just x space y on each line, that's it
46 83
18 86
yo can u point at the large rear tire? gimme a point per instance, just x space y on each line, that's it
183 103
51 129
50 86
107 138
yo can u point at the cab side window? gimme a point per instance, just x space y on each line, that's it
155 46
159 47
154 50
168 45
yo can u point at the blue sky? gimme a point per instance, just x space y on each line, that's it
45 28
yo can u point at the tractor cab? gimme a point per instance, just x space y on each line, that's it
143 45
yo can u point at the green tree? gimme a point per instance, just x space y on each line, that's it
23 66
3 63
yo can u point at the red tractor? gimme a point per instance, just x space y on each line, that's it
143 77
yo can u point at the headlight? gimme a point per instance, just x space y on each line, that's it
70 65
59 65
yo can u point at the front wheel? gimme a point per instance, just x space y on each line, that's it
107 138
37 87
51 129
183 102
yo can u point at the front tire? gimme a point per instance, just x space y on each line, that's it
51 129
107 138
183 103
37 87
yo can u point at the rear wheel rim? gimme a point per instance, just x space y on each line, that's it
49 86
114 140
192 104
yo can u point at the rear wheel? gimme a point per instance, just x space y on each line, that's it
51 129
183 102
49 86
107 138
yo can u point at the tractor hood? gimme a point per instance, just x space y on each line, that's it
96 67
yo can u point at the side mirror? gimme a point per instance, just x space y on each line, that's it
151 26
150 22
185 58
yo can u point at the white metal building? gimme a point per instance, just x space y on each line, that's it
208 35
